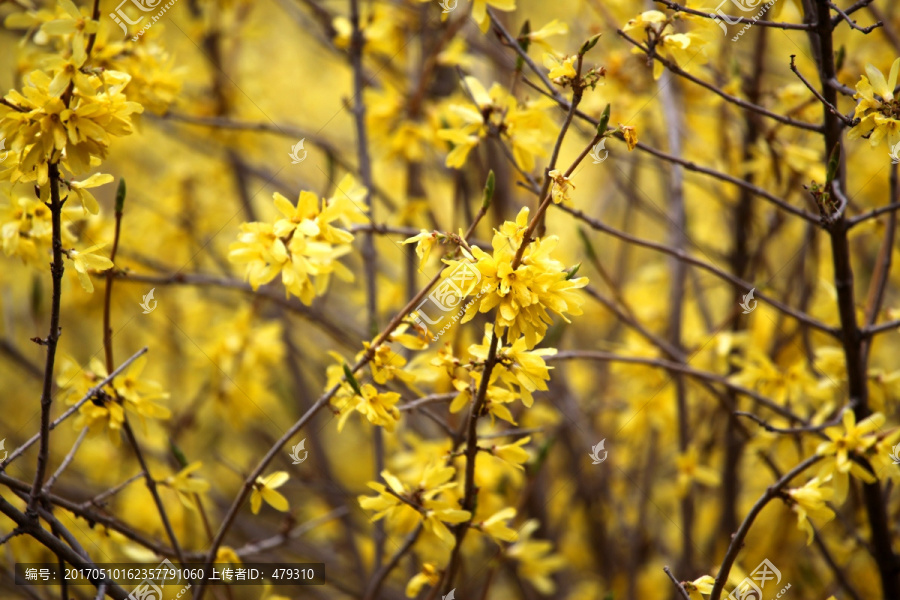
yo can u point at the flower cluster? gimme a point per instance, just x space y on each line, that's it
303 246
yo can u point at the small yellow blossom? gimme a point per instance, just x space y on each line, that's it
186 484
809 501
264 489
86 259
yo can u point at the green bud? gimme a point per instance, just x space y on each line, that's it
592 41
179 455
834 162
488 191
604 121
120 196
351 379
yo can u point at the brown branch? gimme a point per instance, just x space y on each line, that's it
56 272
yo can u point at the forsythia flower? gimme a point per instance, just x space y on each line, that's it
516 365
43 128
561 71
88 202
513 453
809 501
378 407
106 410
264 489
695 588
496 527
684 49
429 575
186 485
559 189
425 242
302 245
527 128
522 295
479 10
854 438
536 559
689 471
404 507
877 110
86 259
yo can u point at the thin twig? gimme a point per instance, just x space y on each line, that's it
735 20
681 591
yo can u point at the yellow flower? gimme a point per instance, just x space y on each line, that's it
378 407
429 575
517 366
264 489
560 187
877 108
86 259
703 585
425 242
523 295
479 10
854 438
186 485
404 506
513 453
560 70
690 471
496 527
554 27
536 559
304 245
88 202
630 134
809 501
227 555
